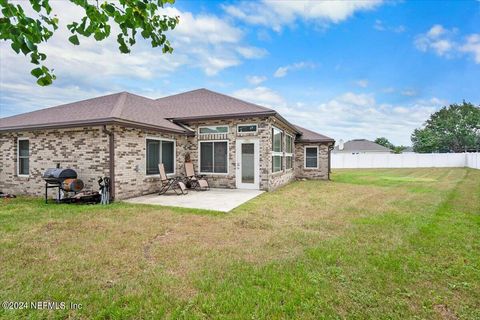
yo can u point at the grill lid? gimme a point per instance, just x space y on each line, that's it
59 174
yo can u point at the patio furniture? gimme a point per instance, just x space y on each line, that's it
197 182
174 184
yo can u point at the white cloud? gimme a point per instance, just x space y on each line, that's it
276 14
472 45
260 95
408 93
363 83
256 80
349 115
283 71
201 41
447 43
380 26
438 39
252 52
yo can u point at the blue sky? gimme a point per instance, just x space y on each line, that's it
345 69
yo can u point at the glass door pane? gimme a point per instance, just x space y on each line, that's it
248 163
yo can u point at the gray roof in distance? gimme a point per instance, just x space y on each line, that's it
362 145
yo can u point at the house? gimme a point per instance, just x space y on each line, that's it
357 146
124 136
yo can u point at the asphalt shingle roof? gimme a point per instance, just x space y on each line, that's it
203 103
122 106
312 136
362 145
162 113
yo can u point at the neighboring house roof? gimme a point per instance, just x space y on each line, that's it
311 136
361 145
120 107
165 113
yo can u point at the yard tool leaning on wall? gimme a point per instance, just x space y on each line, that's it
104 184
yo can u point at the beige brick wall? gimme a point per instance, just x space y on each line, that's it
83 149
131 178
86 151
308 173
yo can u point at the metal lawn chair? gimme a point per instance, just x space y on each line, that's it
197 182
174 184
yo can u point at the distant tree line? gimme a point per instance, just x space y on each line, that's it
386 143
455 128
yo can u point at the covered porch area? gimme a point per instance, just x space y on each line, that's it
215 199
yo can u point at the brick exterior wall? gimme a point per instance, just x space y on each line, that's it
83 149
131 177
86 150
306 173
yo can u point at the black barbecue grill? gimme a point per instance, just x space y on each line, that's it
63 179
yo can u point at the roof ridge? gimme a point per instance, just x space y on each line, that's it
180 93
230 97
217 93
118 107
62 105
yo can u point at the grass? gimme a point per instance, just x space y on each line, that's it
396 243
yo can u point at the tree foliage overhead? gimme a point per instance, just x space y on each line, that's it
25 32
455 128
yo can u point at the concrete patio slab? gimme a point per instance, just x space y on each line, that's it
214 199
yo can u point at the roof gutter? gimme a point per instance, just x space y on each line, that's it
223 116
236 116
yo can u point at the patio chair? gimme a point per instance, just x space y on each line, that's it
174 184
197 182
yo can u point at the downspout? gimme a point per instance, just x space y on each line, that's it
330 148
111 157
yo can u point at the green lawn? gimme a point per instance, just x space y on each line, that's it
396 243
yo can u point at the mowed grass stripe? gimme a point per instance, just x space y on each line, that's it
396 244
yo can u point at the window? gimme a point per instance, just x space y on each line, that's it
277 152
242 128
160 151
213 129
288 152
23 157
214 157
311 157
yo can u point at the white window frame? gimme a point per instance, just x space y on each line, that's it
18 157
213 150
278 153
289 154
160 150
305 158
225 126
248 124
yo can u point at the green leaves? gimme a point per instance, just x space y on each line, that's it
25 33
74 39
455 128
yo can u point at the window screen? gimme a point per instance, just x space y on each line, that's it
23 157
311 157
160 151
214 157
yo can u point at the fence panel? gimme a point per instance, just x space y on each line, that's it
405 160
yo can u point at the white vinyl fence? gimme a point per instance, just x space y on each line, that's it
405 160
